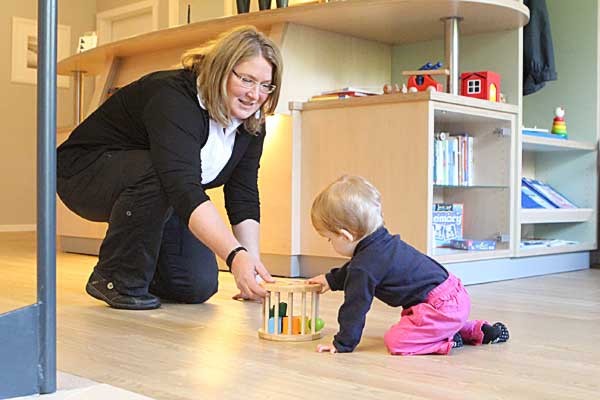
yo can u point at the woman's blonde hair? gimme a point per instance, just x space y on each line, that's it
350 203
214 62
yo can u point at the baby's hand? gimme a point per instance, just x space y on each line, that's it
321 348
321 280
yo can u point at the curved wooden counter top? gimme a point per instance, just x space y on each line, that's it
386 21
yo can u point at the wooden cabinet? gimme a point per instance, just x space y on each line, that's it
390 140
570 167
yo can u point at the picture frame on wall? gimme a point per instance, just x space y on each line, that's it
25 50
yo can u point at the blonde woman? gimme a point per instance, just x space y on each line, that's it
143 160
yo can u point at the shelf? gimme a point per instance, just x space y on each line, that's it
553 216
541 251
446 255
542 144
471 187
387 21
445 98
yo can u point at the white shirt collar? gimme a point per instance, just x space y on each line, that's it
235 123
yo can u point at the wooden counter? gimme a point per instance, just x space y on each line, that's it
386 21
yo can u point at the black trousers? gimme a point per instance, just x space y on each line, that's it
147 248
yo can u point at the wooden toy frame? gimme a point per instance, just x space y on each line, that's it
291 288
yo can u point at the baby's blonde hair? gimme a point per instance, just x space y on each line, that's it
351 203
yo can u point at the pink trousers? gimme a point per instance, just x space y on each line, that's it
428 327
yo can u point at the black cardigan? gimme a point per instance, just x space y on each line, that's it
160 112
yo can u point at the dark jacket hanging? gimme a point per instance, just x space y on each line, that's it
538 52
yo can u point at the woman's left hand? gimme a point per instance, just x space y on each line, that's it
246 268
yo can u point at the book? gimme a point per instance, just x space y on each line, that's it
543 133
531 199
447 222
330 97
472 244
353 94
350 89
549 193
537 243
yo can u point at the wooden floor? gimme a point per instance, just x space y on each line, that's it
212 351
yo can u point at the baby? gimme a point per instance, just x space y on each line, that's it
435 305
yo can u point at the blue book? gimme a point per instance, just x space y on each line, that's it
549 193
530 198
543 133
472 244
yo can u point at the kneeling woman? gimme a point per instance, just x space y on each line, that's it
143 160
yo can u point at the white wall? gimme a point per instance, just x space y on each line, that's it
18 113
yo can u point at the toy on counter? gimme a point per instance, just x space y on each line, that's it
421 80
483 85
395 88
559 126
290 327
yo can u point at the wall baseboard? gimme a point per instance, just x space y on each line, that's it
18 228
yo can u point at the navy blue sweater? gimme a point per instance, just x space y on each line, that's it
385 267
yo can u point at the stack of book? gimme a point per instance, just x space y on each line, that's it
453 159
537 194
343 93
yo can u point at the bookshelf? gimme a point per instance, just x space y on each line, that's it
545 216
391 141
402 130
570 167
541 144
487 200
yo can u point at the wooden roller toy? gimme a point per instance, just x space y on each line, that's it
297 328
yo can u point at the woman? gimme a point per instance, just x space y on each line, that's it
142 162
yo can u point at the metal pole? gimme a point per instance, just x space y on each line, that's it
46 193
451 52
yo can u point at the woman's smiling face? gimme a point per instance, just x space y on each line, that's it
244 87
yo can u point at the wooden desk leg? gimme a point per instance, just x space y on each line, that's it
78 75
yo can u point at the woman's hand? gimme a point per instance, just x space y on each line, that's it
322 280
323 348
245 269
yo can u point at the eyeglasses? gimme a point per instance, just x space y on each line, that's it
250 83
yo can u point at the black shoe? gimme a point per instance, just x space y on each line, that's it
103 289
457 341
497 333
503 336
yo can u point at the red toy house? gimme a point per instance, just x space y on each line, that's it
481 85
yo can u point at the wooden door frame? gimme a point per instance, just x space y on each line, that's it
105 19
